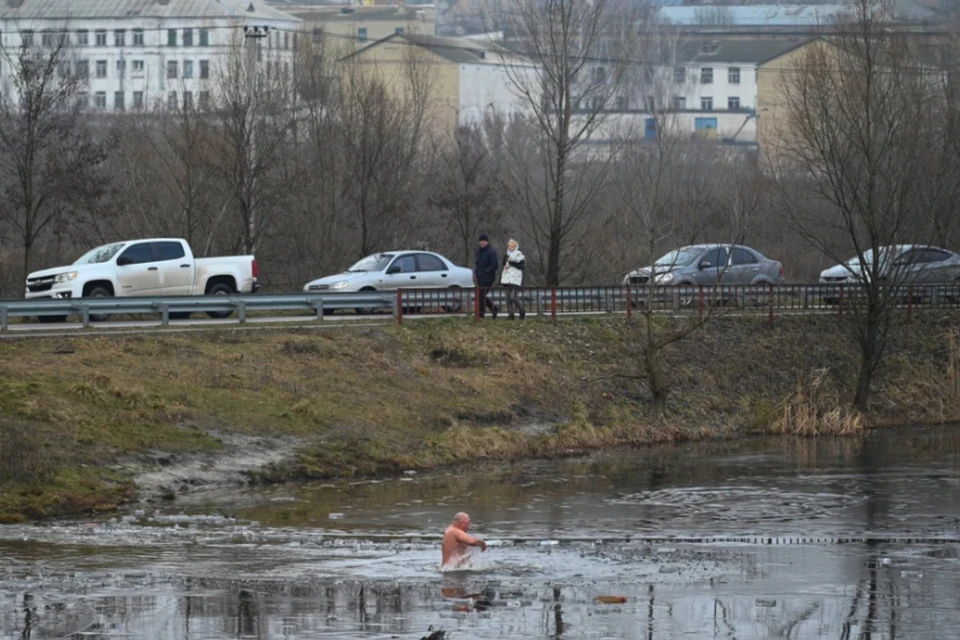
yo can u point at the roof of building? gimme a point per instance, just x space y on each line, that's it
358 14
86 9
747 50
779 15
458 50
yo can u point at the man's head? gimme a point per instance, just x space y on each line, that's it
512 245
484 240
461 521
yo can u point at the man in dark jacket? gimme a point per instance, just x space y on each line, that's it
486 274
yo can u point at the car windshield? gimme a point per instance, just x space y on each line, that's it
679 257
101 254
376 262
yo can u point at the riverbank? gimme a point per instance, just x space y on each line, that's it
85 417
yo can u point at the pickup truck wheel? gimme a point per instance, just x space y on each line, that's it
220 289
99 292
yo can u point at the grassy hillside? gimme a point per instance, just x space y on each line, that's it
80 415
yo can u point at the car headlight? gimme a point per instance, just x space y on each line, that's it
65 277
665 278
343 284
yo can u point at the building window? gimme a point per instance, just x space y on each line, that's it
172 70
679 75
171 37
63 38
733 75
138 37
204 69
204 100
101 68
121 68
172 100
733 104
294 40
63 68
706 104
83 38
317 34
188 100
101 35
706 75
622 103
26 38
204 38
137 68
138 99
188 69
46 38
100 99
188 37
679 103
398 31
120 38
599 75
83 100
362 34
83 68
651 104
286 40
118 103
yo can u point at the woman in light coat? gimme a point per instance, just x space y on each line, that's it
511 277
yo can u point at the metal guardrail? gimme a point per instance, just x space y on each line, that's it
795 299
165 306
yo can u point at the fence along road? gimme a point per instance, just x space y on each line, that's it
162 311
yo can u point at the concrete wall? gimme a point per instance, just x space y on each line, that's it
486 88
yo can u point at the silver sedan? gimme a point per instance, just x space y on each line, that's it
396 270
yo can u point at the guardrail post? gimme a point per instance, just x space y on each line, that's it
700 300
770 319
165 315
4 321
629 306
935 298
476 304
910 303
553 304
85 316
399 306
318 307
242 311
805 299
675 294
840 302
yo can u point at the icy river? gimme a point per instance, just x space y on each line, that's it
766 538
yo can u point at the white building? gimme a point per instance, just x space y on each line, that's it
707 86
137 52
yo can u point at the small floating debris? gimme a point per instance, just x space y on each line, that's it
611 599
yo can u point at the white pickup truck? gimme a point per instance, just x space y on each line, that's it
150 267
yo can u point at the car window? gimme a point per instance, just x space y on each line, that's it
933 255
168 250
908 258
716 257
428 262
739 255
407 264
138 253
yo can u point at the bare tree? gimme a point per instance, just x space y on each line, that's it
470 194
49 160
576 55
254 107
860 160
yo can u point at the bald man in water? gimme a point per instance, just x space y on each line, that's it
456 541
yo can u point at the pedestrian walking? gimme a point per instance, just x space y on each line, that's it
514 264
485 274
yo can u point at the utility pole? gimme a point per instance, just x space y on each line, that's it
252 36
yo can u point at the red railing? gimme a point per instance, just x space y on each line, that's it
702 300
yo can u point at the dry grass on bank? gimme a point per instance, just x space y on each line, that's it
379 400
